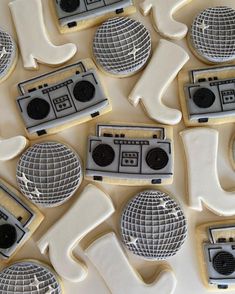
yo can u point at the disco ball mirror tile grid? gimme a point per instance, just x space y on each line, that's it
160 234
114 42
216 42
17 278
6 60
52 168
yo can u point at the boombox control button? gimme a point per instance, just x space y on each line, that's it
157 158
204 98
38 109
103 155
84 91
8 236
69 5
224 263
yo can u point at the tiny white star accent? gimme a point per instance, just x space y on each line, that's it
134 51
36 192
133 241
25 180
203 26
174 212
50 290
35 283
3 52
163 203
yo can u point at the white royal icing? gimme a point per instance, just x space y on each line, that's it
34 42
155 80
12 147
111 262
91 209
201 149
162 13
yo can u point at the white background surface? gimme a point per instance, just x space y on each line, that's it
184 264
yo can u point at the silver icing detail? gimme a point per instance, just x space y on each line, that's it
28 277
213 34
7 53
122 46
150 229
49 173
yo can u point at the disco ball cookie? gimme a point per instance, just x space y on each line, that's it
121 46
49 173
29 277
8 55
212 35
153 225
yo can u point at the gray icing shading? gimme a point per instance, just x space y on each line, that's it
122 46
7 53
153 225
49 173
233 151
28 277
213 34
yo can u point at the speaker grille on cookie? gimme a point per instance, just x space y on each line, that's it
213 34
28 278
49 173
153 225
122 46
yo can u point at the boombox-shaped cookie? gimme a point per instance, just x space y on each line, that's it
60 99
80 14
130 155
216 247
18 220
207 95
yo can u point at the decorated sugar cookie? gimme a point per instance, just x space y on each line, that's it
130 154
62 98
111 262
207 95
34 41
165 64
19 219
215 254
91 209
121 46
49 173
203 183
153 225
74 15
8 55
212 35
29 277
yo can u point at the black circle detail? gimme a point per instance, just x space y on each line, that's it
8 236
103 155
204 98
157 158
69 5
38 108
84 91
224 263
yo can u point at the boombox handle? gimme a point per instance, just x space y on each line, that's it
213 229
21 85
100 127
